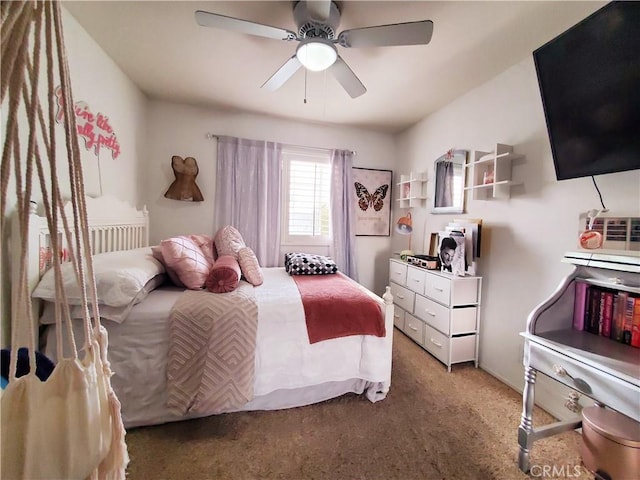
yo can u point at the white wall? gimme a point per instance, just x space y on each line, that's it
524 237
175 129
98 81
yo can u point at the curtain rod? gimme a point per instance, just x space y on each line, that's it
214 135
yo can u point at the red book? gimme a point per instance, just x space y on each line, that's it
607 314
579 304
635 327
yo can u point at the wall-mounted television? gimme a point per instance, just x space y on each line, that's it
589 78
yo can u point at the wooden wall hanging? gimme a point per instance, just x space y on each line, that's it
184 186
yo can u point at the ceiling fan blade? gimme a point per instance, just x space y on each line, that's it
347 78
410 33
206 19
284 73
319 10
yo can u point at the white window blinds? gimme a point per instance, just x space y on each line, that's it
307 195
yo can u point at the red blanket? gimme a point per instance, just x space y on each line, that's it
334 307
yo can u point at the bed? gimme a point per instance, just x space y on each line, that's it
289 371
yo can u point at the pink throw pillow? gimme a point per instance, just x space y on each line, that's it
228 241
186 258
250 267
224 275
205 242
156 250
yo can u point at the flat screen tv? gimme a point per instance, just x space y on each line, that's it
589 78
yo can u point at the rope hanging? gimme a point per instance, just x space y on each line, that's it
86 437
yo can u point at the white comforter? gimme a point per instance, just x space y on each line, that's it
288 370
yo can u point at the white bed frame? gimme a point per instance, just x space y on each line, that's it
114 225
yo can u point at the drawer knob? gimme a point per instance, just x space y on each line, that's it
578 382
439 345
559 370
401 297
415 329
430 313
438 289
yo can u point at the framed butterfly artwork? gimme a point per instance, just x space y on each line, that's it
371 193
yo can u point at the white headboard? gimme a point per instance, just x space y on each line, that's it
113 225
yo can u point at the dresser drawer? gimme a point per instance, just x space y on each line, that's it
402 296
606 388
398 272
398 317
450 321
432 313
414 328
463 349
438 288
437 344
452 291
416 279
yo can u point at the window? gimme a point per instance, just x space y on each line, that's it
306 196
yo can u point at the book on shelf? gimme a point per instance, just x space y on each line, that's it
635 326
617 323
606 315
627 325
592 317
580 301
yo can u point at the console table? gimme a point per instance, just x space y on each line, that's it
601 368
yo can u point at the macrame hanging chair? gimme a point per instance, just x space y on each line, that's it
69 425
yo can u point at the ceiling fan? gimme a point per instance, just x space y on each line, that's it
317 22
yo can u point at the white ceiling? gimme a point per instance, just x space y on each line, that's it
168 56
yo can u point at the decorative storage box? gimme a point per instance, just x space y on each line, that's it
610 444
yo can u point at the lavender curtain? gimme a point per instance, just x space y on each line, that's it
248 184
342 213
444 184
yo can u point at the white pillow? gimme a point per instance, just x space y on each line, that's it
115 314
120 276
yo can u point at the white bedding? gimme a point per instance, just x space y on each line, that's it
288 370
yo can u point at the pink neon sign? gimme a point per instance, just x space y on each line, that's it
94 129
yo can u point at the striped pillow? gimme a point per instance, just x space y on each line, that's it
184 256
250 267
228 241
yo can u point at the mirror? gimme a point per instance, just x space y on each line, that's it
448 194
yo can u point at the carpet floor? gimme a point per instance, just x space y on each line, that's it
432 425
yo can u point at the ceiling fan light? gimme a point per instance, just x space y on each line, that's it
316 54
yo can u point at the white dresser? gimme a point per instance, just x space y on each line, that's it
596 366
438 311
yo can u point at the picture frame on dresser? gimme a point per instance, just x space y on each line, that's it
452 252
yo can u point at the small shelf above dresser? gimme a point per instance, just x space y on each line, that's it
412 190
490 172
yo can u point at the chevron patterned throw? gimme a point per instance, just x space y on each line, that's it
210 367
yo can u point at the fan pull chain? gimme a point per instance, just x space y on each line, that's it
306 72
